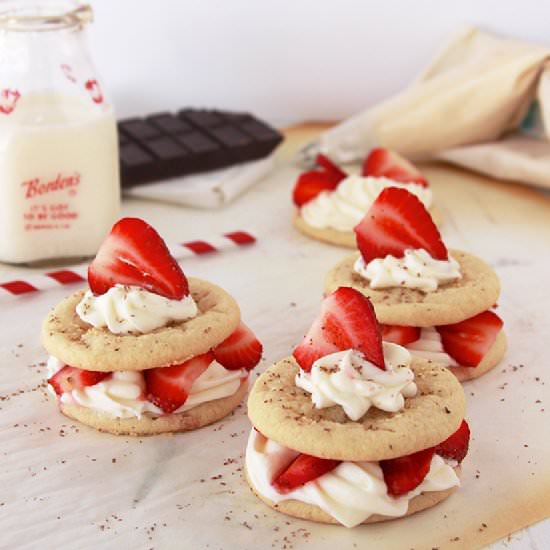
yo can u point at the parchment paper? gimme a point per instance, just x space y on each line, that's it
64 486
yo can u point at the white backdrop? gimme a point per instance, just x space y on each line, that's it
285 60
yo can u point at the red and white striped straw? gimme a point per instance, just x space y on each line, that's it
77 274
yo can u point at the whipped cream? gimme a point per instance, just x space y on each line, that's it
417 270
347 379
350 493
124 309
343 208
122 395
429 346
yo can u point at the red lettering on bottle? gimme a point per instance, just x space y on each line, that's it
37 187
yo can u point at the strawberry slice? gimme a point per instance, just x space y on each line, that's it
388 164
313 182
135 254
401 335
71 378
240 350
396 221
302 469
456 445
467 342
405 473
168 387
310 184
324 162
346 321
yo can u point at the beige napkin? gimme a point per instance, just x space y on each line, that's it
483 103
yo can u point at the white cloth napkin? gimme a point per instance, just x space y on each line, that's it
483 103
208 189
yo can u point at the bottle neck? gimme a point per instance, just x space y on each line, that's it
48 64
29 16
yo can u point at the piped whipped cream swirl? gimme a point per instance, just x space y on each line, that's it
417 270
122 395
343 208
129 309
429 346
350 493
347 379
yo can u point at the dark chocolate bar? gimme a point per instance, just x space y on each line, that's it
166 145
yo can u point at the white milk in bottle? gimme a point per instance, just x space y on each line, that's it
58 178
59 173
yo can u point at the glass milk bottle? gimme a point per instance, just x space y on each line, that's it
59 174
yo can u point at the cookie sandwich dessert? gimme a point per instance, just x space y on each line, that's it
330 203
145 350
352 430
434 301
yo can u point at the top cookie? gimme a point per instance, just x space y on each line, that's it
283 412
476 291
81 345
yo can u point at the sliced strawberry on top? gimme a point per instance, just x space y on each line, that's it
467 342
135 254
309 184
388 164
168 387
456 445
396 221
70 378
302 469
240 350
401 335
324 162
405 473
347 321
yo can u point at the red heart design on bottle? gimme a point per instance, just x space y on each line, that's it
68 72
8 100
95 91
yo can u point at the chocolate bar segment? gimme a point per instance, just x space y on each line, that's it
197 143
136 164
203 151
138 129
238 146
169 154
166 145
201 118
169 123
262 134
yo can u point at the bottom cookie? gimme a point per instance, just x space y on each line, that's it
197 417
311 512
489 361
